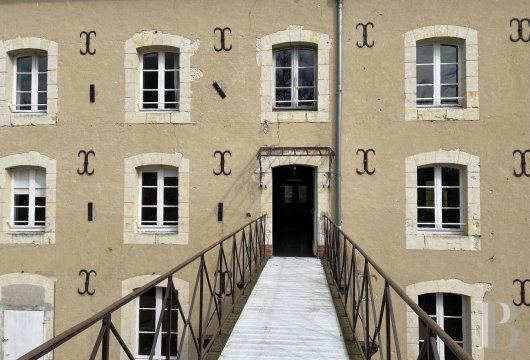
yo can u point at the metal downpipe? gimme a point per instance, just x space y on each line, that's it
339 116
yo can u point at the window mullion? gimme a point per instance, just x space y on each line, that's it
34 83
161 83
158 310
294 88
438 197
437 75
31 204
160 198
440 321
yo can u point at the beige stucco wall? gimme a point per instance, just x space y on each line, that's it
374 116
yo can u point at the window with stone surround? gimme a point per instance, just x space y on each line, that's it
137 317
28 82
26 294
441 73
158 78
156 199
456 306
443 201
294 78
27 196
451 312
287 78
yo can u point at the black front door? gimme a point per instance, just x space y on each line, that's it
293 210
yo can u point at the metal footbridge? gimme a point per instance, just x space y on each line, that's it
243 305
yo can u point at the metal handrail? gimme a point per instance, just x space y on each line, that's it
247 251
359 295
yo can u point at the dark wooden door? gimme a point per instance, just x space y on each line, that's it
293 210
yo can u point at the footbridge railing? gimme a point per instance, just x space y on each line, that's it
220 274
370 309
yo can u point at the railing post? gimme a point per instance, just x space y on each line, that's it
387 318
105 351
201 303
367 311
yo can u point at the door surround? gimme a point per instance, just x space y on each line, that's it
322 192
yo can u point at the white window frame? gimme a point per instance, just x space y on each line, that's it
294 102
158 309
437 85
294 35
161 71
151 41
440 317
159 227
31 206
467 38
34 85
438 201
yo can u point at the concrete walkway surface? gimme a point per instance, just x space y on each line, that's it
289 315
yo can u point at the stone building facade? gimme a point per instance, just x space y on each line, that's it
433 95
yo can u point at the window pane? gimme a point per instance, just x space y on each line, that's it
424 54
24 64
145 341
42 99
449 355
173 348
288 194
170 99
42 63
428 303
306 57
21 216
171 180
426 176
172 61
424 74
306 94
452 304
150 80
43 82
171 196
454 328
21 178
171 80
426 216
451 216
171 215
283 95
451 197
449 91
149 196
283 78
148 216
152 98
148 300
302 194
23 82
449 74
21 200
150 61
306 77
426 197
149 178
40 215
448 53
147 320
450 176
283 58
40 200
426 92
